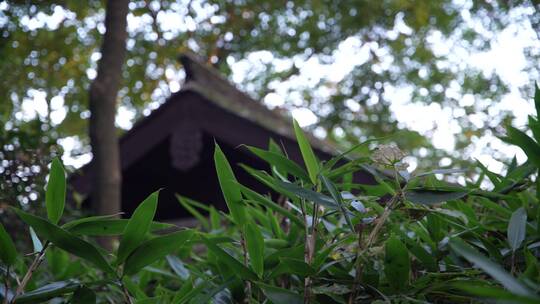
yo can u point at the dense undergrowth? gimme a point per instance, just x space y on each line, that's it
321 238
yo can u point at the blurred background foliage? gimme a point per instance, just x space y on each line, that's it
49 51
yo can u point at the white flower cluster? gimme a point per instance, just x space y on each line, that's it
389 155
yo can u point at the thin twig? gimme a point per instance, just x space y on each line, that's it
357 275
125 291
6 286
247 288
35 264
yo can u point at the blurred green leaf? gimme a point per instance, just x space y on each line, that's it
279 295
137 227
280 162
517 228
178 267
8 252
309 195
105 227
48 291
495 293
233 263
65 240
83 295
262 200
229 187
431 197
55 196
189 205
527 144
36 243
255 248
397 266
310 160
490 267
537 99
155 249
337 198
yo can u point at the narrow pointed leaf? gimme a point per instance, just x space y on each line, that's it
107 227
430 197
155 249
527 144
279 295
8 253
280 162
137 226
55 195
337 197
36 243
309 195
65 240
255 248
178 267
310 159
48 291
517 228
537 99
490 267
83 295
229 187
266 202
222 256
397 265
187 204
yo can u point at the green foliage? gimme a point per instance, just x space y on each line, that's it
228 184
409 238
8 253
137 227
55 196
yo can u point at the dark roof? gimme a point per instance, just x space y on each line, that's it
206 81
173 146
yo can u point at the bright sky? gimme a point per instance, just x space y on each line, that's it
506 58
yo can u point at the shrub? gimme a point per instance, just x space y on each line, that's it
409 238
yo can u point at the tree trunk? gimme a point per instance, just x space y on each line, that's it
106 191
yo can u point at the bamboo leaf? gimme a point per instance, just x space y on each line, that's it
178 267
230 261
65 240
527 144
441 171
255 248
137 226
337 197
155 249
309 195
107 227
517 228
8 252
188 205
280 162
55 196
48 291
397 265
430 197
262 200
83 295
36 243
279 295
229 187
490 267
310 160
537 99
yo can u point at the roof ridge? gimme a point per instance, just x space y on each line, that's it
208 82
